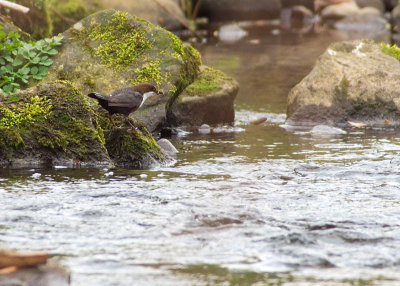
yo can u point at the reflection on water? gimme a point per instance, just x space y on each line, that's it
260 205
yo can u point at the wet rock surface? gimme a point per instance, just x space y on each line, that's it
208 100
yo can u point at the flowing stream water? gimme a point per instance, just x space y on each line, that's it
243 205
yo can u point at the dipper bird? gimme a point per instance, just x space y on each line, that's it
125 100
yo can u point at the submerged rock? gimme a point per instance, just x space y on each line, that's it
109 50
326 130
231 33
208 100
353 81
204 129
167 147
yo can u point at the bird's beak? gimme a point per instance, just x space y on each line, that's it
160 92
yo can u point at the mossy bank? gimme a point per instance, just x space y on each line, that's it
53 124
50 124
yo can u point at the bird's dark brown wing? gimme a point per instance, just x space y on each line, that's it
125 97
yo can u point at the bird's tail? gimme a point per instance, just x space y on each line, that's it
96 95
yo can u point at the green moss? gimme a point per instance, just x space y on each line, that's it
177 45
121 40
11 141
149 72
38 109
344 84
129 147
191 62
189 71
209 81
391 50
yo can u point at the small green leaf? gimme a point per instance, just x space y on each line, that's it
23 70
25 54
9 59
46 62
17 62
8 68
43 71
24 78
35 60
52 52
13 98
7 88
34 70
57 40
37 76
2 61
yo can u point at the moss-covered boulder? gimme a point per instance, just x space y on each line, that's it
109 50
134 148
208 100
351 81
50 124
53 124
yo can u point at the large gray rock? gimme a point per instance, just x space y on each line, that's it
351 81
226 10
208 100
111 49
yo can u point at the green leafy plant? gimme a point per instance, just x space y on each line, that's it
21 61
38 109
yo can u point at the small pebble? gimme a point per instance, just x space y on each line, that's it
258 120
204 129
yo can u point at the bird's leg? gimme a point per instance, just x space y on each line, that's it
112 122
130 123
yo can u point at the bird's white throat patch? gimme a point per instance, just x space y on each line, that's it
146 96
